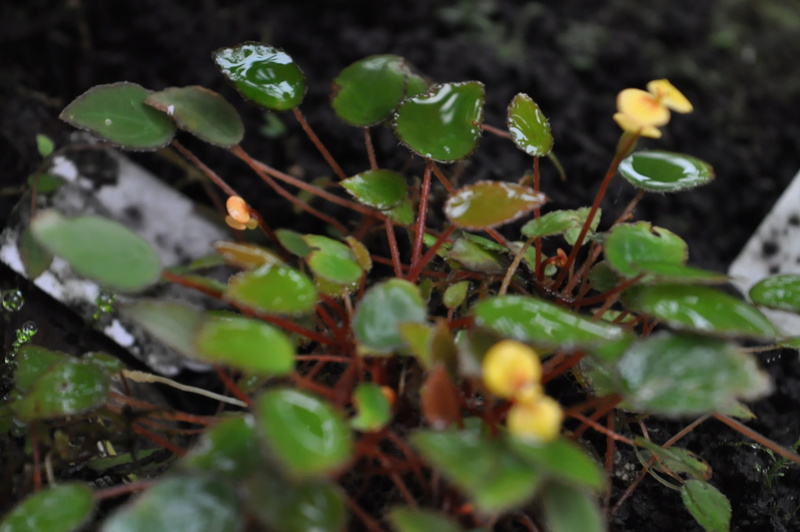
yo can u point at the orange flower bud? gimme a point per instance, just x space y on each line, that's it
238 209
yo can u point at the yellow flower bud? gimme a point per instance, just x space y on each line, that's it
668 95
538 420
238 209
642 107
510 367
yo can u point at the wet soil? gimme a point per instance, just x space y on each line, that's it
736 61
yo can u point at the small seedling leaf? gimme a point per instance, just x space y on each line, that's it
568 223
676 459
332 260
373 408
475 257
663 171
569 509
62 508
98 248
455 294
707 505
488 204
443 124
202 112
379 189
44 145
117 113
276 290
382 309
263 74
406 519
229 448
529 128
779 292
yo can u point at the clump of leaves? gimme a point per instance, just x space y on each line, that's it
346 369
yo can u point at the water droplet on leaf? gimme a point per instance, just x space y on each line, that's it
13 300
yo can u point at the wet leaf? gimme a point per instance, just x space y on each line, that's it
567 223
276 290
542 323
35 257
406 519
439 399
702 309
778 292
305 433
285 505
332 260
663 171
229 448
382 309
202 112
707 505
366 92
488 204
245 344
379 189
117 113
173 324
629 245
32 361
529 128
569 509
262 74
444 124
108 363
66 388
373 408
246 255
187 503
561 460
62 508
102 250
455 294
683 374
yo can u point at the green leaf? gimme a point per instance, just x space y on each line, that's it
475 257
670 272
247 255
403 213
117 113
44 145
332 260
66 388
229 448
529 128
488 204
542 323
567 223
629 245
374 410
187 503
443 124
561 460
108 363
406 519
266 76
45 183
455 294
306 434
379 189
702 309
294 242
202 112
382 309
779 292
707 505
32 361
568 509
62 508
245 344
102 250
173 324
366 92
678 460
285 505
276 290
663 171
683 374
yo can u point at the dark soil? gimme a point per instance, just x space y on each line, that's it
736 61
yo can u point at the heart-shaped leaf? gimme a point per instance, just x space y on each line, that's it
66 388
663 171
202 112
443 124
263 74
778 292
62 508
488 204
529 128
379 189
629 245
382 310
567 223
117 113
102 250
276 290
707 505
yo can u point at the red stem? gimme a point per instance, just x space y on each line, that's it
421 214
319 145
373 162
398 267
231 386
415 271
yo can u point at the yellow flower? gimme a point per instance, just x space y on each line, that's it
512 369
239 214
643 112
537 420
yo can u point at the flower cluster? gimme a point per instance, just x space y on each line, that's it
512 370
643 112
239 216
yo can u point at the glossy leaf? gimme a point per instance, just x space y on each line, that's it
332 260
107 362
35 257
670 272
366 92
117 113
262 74
542 323
707 505
32 361
488 204
778 292
663 171
382 309
682 374
276 290
188 503
285 505
246 255
455 294
702 309
629 245
202 112
404 519
372 406
444 124
67 388
529 128
561 460
62 508
476 258
245 344
305 433
568 509
229 448
568 223
380 189
98 248
173 324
